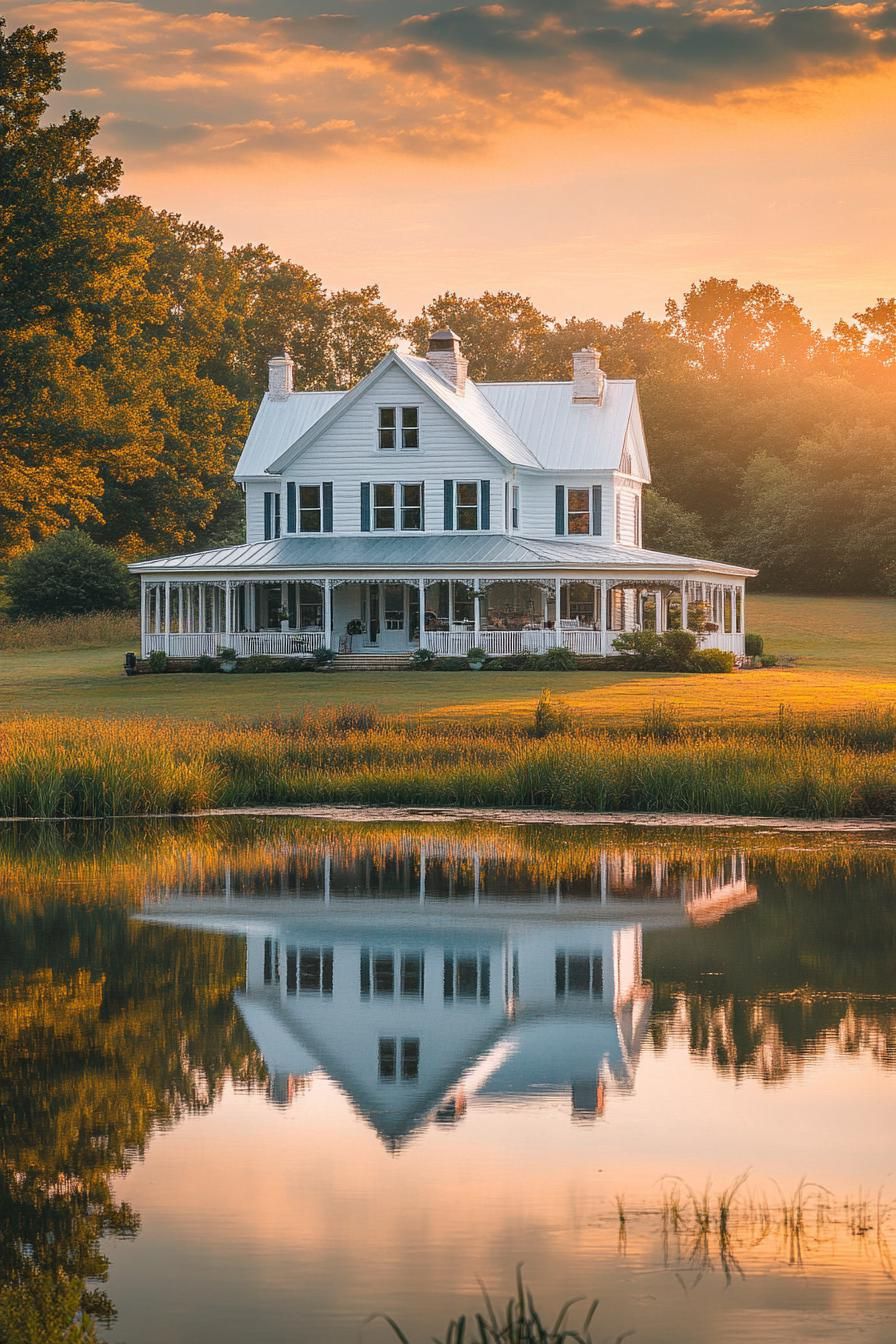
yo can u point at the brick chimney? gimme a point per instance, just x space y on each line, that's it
589 381
280 377
445 357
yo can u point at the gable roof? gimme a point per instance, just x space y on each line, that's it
472 410
565 435
278 423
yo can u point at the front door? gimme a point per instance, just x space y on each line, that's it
393 616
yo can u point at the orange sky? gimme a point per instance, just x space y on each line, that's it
598 155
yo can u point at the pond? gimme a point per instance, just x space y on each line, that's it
263 1078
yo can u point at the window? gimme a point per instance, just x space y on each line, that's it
311 607
467 976
271 514
383 508
395 421
378 974
309 508
393 606
467 506
579 975
412 507
578 512
388 1059
310 969
511 506
580 602
271 961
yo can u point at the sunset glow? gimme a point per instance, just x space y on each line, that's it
599 157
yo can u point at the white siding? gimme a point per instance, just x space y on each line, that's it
347 454
537 503
255 509
628 492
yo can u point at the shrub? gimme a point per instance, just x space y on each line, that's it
323 656
476 655
158 661
557 660
206 663
753 645
450 665
422 658
768 660
68 575
297 665
551 716
258 662
512 662
712 660
646 651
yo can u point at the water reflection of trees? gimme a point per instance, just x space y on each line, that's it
107 1032
808 968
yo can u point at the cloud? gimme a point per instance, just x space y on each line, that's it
290 78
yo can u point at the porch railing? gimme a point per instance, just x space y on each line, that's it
277 643
499 643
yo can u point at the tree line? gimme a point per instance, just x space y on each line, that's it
133 350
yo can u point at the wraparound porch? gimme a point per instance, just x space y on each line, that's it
292 616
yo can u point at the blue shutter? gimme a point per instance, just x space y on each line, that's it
422 506
327 511
485 505
365 506
290 506
597 495
268 515
560 510
448 521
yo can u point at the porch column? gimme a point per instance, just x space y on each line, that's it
328 617
227 608
284 605
180 608
421 590
604 646
476 611
142 616
660 618
157 607
251 612
202 608
167 615
684 604
557 639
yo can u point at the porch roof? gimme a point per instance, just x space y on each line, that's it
449 552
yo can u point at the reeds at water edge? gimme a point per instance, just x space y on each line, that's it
797 767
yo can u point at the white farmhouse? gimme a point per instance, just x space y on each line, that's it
423 510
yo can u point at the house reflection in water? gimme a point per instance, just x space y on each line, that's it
482 984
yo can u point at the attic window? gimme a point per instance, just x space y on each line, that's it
399 426
625 465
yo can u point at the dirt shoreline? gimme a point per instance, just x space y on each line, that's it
515 816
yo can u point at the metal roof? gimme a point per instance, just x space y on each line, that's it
565 435
433 551
278 422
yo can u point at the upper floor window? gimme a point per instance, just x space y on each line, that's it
271 514
579 974
467 976
399 427
398 505
467 506
310 969
578 512
309 508
512 506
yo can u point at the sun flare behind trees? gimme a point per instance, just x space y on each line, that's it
133 347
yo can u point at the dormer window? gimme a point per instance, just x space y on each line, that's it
399 427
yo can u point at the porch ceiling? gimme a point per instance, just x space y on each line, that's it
431 552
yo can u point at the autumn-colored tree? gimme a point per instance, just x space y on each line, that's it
729 329
503 335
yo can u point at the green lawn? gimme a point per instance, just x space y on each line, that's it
846 651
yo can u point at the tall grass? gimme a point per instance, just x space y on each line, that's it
99 629
68 767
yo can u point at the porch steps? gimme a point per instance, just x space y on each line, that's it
370 662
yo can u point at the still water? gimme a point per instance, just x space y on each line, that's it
261 1078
